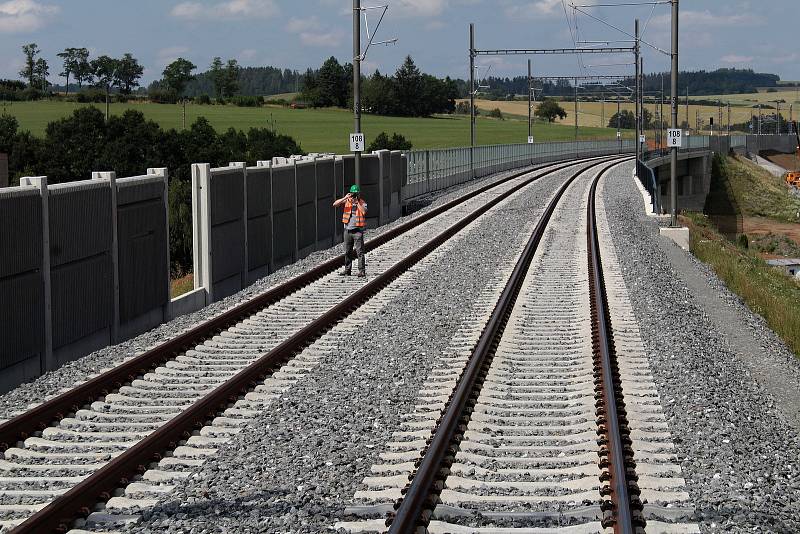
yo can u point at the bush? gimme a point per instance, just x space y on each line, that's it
384 142
91 95
496 114
203 100
247 101
162 96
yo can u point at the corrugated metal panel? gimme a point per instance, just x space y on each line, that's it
142 245
306 216
20 235
81 299
80 223
397 171
282 188
139 192
21 317
259 231
227 196
325 198
283 216
370 190
227 244
4 170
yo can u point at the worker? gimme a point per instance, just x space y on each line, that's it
354 218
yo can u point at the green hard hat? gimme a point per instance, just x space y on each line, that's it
355 189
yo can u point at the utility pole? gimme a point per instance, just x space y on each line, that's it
661 115
778 117
471 99
687 108
719 116
641 100
673 168
759 119
602 110
729 119
619 134
357 82
636 92
576 110
530 131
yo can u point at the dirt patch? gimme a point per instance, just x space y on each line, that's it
789 162
772 239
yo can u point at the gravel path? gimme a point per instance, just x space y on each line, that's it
297 467
52 383
733 427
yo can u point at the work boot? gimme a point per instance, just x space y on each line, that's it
362 274
345 273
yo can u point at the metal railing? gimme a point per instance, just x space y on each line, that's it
433 170
648 178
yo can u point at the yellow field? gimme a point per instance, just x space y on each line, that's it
790 96
599 114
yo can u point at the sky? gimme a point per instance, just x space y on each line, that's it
759 34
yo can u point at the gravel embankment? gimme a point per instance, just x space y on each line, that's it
298 466
722 375
51 383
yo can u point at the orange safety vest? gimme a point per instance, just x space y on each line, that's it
348 208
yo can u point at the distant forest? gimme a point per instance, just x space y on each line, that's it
253 81
720 81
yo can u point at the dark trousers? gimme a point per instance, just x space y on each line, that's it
353 239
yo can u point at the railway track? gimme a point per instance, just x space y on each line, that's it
127 436
549 421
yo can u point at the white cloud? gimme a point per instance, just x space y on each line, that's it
231 9
733 58
538 9
418 8
311 33
706 19
248 53
19 16
297 25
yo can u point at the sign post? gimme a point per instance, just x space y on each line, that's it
674 138
356 142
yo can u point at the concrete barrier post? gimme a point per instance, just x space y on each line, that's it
201 226
296 251
243 165
111 177
47 362
164 174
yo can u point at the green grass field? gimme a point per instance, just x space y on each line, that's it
317 130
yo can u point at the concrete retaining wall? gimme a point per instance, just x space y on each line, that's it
84 265
286 208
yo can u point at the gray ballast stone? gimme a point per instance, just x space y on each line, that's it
739 452
297 467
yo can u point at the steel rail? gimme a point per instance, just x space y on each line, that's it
79 500
611 414
38 418
417 498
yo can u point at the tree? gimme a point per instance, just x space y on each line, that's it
177 74
549 110
83 67
627 120
409 91
384 142
70 58
105 69
128 73
217 73
28 72
230 78
41 71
